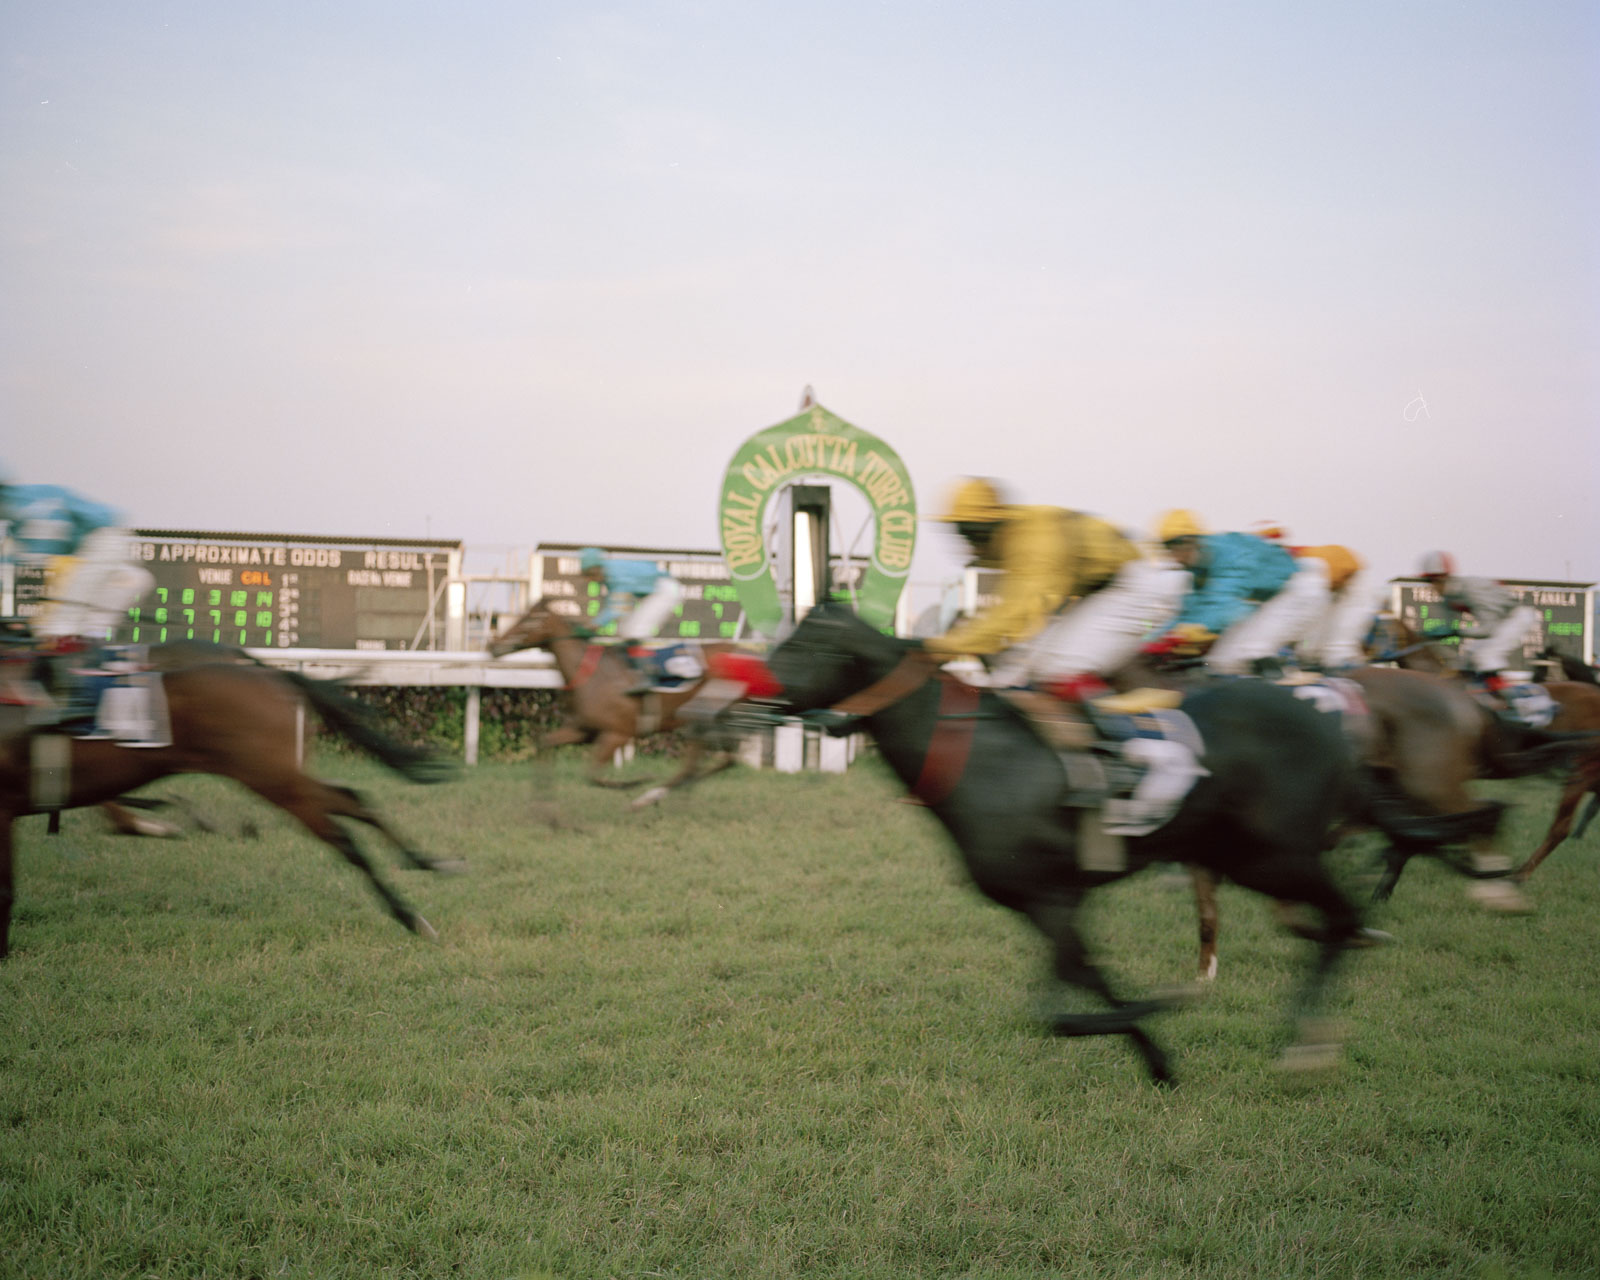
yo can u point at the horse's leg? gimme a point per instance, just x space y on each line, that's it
688 775
1394 862
355 807
1071 965
606 746
126 822
1585 779
313 804
1290 876
1205 902
6 890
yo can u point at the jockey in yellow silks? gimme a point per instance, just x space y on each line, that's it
1076 601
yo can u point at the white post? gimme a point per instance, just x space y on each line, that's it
833 754
474 703
789 748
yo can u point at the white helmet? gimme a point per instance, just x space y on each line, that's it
1438 563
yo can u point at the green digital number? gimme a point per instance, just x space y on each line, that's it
264 618
188 595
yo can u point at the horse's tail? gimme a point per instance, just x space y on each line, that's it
1382 803
354 720
1535 751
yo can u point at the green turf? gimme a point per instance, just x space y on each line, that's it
762 1031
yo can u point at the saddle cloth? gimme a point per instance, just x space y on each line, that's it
1530 705
1137 777
133 711
671 666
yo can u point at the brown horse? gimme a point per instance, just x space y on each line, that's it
237 721
601 711
1577 700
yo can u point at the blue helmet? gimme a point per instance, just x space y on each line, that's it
591 558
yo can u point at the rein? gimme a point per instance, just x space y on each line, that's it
905 678
946 757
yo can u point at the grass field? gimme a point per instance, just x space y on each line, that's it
763 1031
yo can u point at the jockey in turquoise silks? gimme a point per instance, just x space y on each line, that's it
639 596
92 583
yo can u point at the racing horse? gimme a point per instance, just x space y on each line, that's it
602 712
235 720
1577 720
1279 778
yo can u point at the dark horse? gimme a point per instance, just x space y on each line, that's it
238 721
1279 778
601 711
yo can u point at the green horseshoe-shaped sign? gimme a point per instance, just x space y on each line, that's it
816 443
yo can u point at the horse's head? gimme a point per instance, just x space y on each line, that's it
539 625
830 655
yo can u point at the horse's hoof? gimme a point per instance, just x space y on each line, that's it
1499 895
1303 1061
1318 1051
1208 972
151 827
449 866
1371 938
649 798
423 929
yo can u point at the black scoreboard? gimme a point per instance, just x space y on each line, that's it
1565 609
280 591
708 609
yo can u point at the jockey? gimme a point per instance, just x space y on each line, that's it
1076 601
1248 592
1499 623
92 582
641 584
1333 641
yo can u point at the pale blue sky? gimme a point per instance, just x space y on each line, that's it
516 271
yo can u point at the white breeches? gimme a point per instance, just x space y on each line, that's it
1335 639
94 592
1493 651
1101 633
651 612
1277 622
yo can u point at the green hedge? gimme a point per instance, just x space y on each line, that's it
510 721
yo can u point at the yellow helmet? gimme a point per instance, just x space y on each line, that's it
974 501
1179 524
